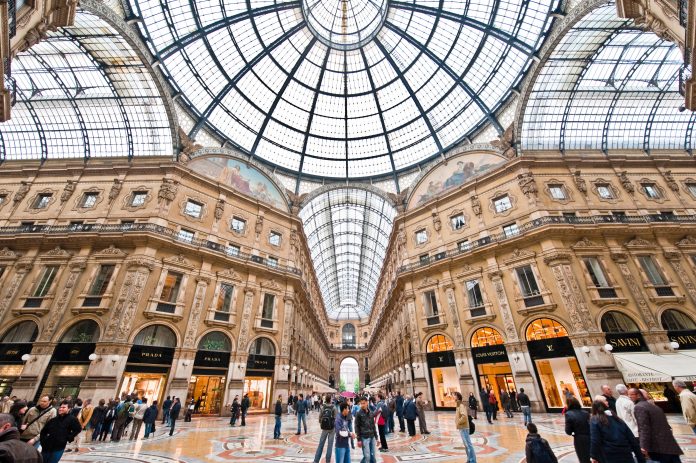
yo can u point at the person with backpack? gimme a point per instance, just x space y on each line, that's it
465 427
382 413
246 403
507 406
327 423
537 449
140 409
473 405
611 440
235 410
122 411
278 417
174 414
166 406
493 404
95 423
108 421
149 418
301 412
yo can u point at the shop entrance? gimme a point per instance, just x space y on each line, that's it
444 377
207 384
258 382
491 362
15 343
148 364
143 385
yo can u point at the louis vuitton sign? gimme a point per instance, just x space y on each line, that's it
441 359
489 354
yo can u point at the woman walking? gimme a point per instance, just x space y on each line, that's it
611 440
473 405
577 424
461 420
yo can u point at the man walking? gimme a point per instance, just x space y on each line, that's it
174 414
301 412
606 392
484 404
278 416
688 403
327 423
625 408
505 399
58 432
525 406
246 403
400 410
654 432
366 432
166 406
35 419
149 418
121 419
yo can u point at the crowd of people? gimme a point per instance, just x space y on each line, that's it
624 424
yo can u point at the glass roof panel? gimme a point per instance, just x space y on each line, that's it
84 92
347 231
607 86
377 83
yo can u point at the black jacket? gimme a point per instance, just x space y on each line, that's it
523 400
278 408
59 431
150 415
473 403
13 450
531 458
174 412
97 415
365 424
614 443
577 423
245 403
399 404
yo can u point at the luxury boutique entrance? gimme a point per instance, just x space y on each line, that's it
15 343
207 384
491 362
444 378
259 374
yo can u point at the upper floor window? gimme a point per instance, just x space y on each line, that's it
172 285
44 285
598 277
224 300
617 322
42 200
605 191
421 236
651 270
439 343
511 230
545 328
2 271
89 199
238 225
101 281
274 238
458 221
193 209
138 198
557 191
486 337
267 310
692 188
473 292
675 320
502 203
528 283
431 309
3 198
185 235
651 190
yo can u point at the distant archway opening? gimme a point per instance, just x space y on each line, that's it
349 374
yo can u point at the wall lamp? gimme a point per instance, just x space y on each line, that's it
28 358
586 350
674 345
93 356
608 347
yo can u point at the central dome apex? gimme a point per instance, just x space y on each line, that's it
344 24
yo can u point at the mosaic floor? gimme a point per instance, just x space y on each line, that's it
212 440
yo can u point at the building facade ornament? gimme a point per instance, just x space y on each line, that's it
115 190
22 192
476 206
527 184
496 278
626 182
196 311
167 191
580 183
671 182
219 209
68 190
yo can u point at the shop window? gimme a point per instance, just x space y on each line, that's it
89 200
557 191
262 346
486 337
348 336
599 279
473 292
223 305
275 238
502 203
458 222
185 235
617 322
510 230
267 311
138 198
156 336
99 285
463 245
215 341
439 343
42 201
193 209
528 285
22 332
421 236
83 331
170 292
545 328
432 312
651 190
238 225
675 320
605 191
655 276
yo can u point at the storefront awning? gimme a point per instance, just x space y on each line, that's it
323 388
645 367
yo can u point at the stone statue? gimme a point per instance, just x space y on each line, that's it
21 192
476 206
167 191
626 182
580 183
115 190
67 191
258 227
219 209
506 142
671 182
187 146
527 184
436 222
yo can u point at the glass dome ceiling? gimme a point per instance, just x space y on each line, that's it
343 88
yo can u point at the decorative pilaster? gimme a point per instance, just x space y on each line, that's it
411 306
674 258
196 311
287 326
127 303
496 278
621 260
22 267
569 288
56 314
454 315
246 320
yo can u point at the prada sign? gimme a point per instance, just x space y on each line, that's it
151 354
73 352
551 348
210 359
626 342
686 339
261 362
441 359
489 354
12 353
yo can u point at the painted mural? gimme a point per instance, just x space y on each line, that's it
245 179
458 170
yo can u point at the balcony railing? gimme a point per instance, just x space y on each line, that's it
683 12
664 291
555 220
606 293
172 234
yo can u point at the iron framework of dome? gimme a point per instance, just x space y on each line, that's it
343 88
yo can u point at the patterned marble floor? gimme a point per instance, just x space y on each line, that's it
212 440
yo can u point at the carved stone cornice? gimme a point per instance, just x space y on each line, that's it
518 255
586 244
140 262
672 254
270 284
468 271
8 254
56 253
427 283
619 257
493 274
687 242
229 274
557 257
639 243
179 260
78 265
111 251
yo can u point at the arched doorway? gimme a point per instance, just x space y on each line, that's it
207 384
15 342
348 336
444 378
555 363
349 375
259 373
622 333
70 361
680 328
492 363
149 363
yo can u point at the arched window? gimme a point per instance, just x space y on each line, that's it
156 335
439 343
545 328
26 331
675 320
215 341
348 335
617 322
486 337
84 331
262 346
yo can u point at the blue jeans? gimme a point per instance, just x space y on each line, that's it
466 438
322 440
369 449
165 417
527 412
148 429
301 419
52 457
276 429
342 455
97 431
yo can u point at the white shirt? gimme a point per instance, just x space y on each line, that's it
624 410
